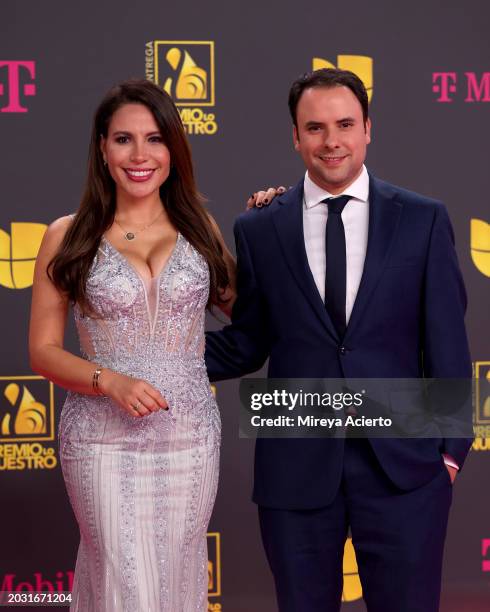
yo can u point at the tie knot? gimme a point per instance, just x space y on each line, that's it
336 205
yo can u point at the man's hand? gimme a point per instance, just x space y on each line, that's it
264 198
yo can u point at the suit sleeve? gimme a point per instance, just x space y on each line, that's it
445 345
243 346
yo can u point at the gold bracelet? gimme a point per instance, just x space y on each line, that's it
95 381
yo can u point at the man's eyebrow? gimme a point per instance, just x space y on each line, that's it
313 123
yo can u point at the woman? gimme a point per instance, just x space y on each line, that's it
140 430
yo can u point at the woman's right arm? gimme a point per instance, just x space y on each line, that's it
49 309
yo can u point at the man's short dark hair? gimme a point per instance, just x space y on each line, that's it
328 77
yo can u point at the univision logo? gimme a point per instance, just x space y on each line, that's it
361 65
480 245
352 588
18 252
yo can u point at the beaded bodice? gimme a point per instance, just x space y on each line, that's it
143 325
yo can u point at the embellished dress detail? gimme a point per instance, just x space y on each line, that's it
143 488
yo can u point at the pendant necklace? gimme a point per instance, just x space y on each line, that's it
132 235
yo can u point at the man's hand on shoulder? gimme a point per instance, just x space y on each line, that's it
264 198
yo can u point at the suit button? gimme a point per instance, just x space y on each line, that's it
342 350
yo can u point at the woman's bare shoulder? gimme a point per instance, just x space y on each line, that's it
56 232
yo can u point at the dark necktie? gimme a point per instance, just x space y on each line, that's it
336 266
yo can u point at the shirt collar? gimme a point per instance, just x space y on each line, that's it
358 190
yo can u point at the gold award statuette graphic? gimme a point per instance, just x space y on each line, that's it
352 588
361 65
482 407
18 252
480 245
26 423
214 570
185 70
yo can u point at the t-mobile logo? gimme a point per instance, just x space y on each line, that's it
485 551
447 86
14 76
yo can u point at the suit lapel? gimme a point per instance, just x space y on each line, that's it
288 222
384 215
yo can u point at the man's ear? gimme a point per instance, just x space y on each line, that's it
367 129
295 138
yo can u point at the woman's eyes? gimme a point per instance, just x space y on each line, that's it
126 139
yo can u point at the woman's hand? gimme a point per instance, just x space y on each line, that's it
264 198
137 397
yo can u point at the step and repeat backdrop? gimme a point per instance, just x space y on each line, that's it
228 67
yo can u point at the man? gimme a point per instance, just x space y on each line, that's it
362 286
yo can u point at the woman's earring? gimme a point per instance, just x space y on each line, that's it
105 161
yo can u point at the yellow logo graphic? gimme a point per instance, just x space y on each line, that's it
26 423
18 252
192 81
352 589
214 564
482 407
185 70
361 65
482 374
23 417
31 415
480 245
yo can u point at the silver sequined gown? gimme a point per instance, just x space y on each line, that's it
143 489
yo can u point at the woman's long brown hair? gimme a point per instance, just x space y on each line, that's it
184 205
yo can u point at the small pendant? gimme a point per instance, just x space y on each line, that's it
129 236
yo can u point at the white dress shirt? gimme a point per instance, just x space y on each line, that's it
355 218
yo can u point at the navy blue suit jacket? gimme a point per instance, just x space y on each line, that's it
407 322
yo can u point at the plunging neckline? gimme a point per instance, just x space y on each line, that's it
152 279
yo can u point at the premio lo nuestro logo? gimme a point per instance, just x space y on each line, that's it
214 570
185 70
26 423
360 65
481 418
18 252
